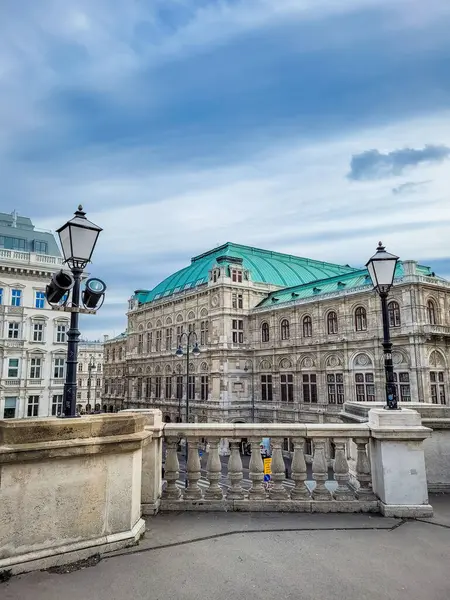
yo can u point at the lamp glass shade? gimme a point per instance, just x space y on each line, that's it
381 269
196 350
179 352
78 238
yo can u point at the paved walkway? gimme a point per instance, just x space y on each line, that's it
187 556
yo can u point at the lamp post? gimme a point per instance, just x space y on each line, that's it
253 391
179 352
78 238
381 269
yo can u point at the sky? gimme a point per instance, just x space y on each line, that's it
313 127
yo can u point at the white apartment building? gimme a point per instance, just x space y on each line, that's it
33 341
90 377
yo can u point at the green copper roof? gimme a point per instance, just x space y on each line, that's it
264 266
356 279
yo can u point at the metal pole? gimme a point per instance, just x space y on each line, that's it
253 396
73 335
187 407
391 391
89 382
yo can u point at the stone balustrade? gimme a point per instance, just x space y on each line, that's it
361 458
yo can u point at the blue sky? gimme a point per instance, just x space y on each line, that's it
315 127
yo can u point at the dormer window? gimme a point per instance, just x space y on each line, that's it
215 275
236 275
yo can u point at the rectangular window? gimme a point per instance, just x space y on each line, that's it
140 343
437 387
35 368
266 388
287 387
204 387
13 331
365 388
61 334
179 387
57 400
237 300
169 338
58 368
40 247
148 387
13 368
191 327
33 406
158 340
238 331
335 386
39 299
158 387
236 275
149 341
16 297
179 332
191 387
168 390
10 407
204 327
38 332
310 388
403 387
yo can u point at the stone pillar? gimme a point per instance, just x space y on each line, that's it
398 462
320 471
235 474
172 491
278 491
299 473
214 471
341 471
256 472
193 491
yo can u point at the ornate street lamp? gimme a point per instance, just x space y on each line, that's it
381 269
180 353
78 238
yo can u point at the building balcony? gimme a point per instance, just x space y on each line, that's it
34 382
30 258
439 330
11 343
11 382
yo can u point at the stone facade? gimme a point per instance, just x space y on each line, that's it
90 377
282 354
33 342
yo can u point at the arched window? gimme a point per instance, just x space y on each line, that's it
360 319
265 332
284 329
431 311
307 326
394 314
332 322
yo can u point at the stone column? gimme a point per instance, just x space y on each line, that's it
398 462
299 474
341 471
214 470
278 491
320 471
256 472
363 472
235 475
172 468
193 467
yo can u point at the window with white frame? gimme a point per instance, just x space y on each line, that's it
9 411
237 300
158 340
149 344
394 314
13 368
403 386
35 368
437 383
236 275
335 386
158 387
431 312
365 387
13 330
266 388
287 387
16 297
169 335
265 335
33 406
284 329
204 326
168 390
39 299
360 319
237 331
332 322
307 326
58 368
204 387
57 401
61 329
191 387
38 331
309 388
140 347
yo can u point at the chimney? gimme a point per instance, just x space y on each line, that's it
409 268
105 338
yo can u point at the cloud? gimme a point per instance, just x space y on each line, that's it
372 164
409 187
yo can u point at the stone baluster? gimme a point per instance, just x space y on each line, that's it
214 470
363 471
256 472
193 491
320 471
341 472
236 492
299 473
172 470
278 491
